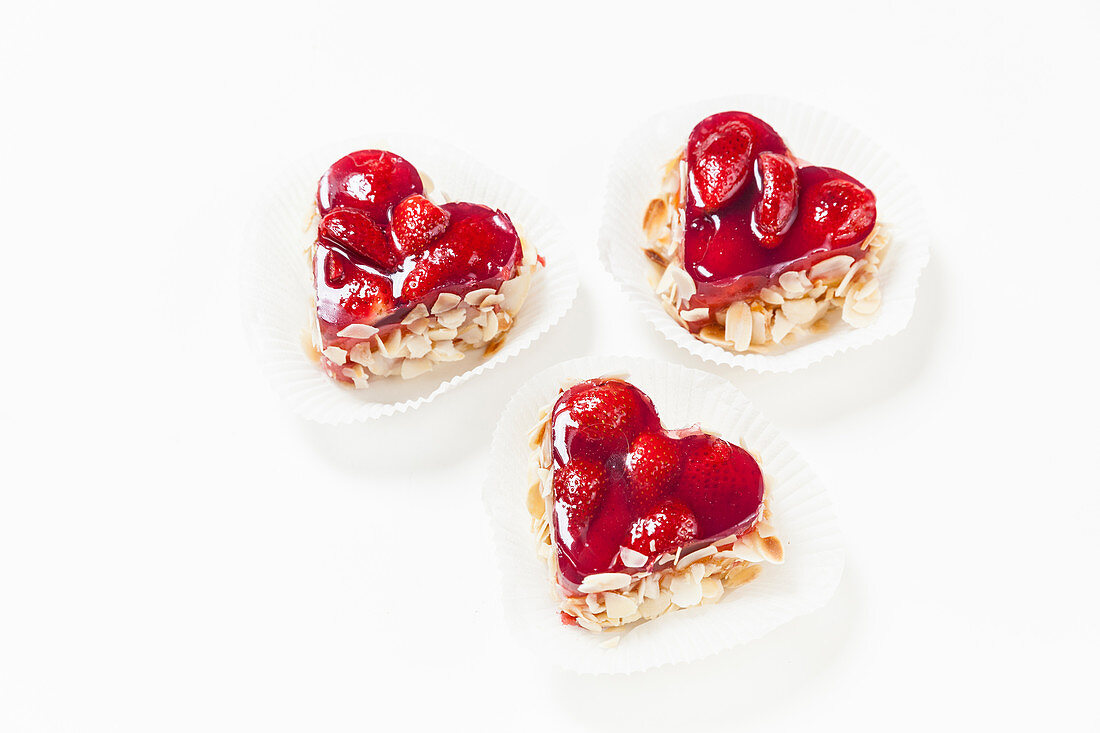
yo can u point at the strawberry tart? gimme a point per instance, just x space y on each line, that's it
635 521
405 279
754 249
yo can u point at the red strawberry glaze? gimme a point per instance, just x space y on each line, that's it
370 270
753 211
621 480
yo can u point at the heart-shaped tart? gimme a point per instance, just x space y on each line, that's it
404 279
756 248
636 520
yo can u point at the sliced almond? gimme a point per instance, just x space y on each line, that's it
452 318
445 302
619 606
414 367
739 326
357 331
336 355
420 311
515 291
475 297
603 582
833 268
800 311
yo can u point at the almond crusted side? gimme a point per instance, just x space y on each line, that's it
453 326
803 302
615 601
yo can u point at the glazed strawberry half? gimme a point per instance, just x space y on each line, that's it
386 257
628 496
753 211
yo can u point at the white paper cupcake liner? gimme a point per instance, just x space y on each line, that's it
803 518
277 290
814 136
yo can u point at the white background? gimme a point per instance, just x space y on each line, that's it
179 553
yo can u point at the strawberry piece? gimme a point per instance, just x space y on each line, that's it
719 478
579 487
480 244
840 211
348 292
357 232
776 202
334 269
720 163
416 222
371 181
651 464
368 297
670 525
605 416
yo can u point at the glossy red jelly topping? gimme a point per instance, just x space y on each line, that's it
754 211
382 247
621 480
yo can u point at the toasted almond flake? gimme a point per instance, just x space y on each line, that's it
392 346
656 257
846 281
535 505
739 326
686 590
697 555
381 366
611 642
452 318
711 588
867 306
770 548
742 550
632 558
515 291
781 327
771 297
695 314
491 301
361 353
740 574
357 331
867 290
471 334
418 345
800 311
833 268
491 326
420 311
760 320
676 277
419 326
654 606
584 623
336 355
655 221
475 297
852 316
602 582
442 334
793 285
445 302
414 367
619 606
